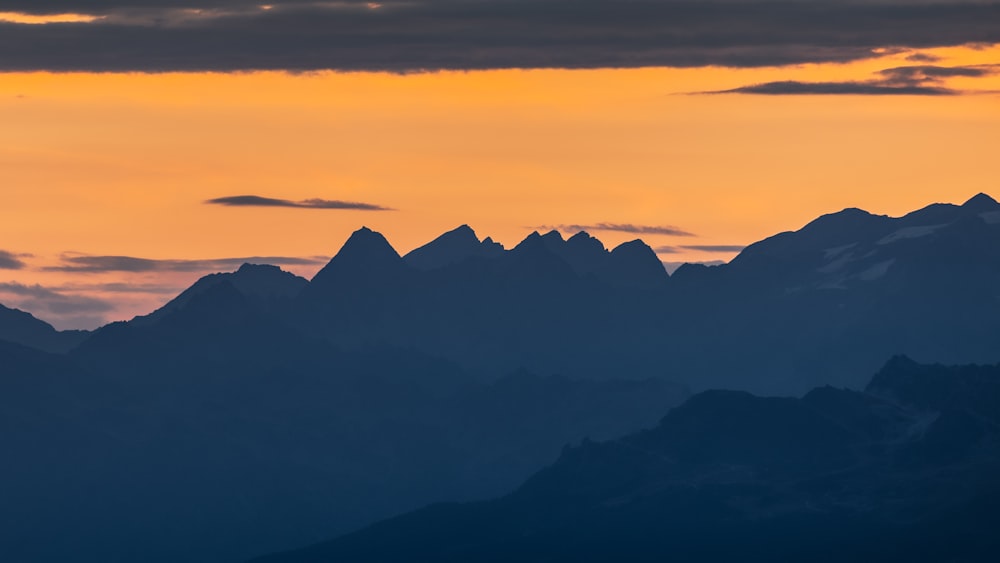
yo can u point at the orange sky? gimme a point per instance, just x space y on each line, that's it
120 164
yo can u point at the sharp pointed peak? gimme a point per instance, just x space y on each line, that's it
365 250
553 235
981 202
533 240
367 238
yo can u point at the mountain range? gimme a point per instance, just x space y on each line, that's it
259 411
837 297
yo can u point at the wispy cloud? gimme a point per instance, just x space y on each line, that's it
923 58
97 264
667 249
120 287
313 203
11 261
668 230
37 298
916 80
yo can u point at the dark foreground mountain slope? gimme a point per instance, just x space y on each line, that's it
214 432
837 475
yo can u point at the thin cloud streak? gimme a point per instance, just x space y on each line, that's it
312 203
796 88
677 249
38 298
101 264
915 80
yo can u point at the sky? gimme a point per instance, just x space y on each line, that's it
145 143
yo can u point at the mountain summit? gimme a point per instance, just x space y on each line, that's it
981 203
366 257
452 247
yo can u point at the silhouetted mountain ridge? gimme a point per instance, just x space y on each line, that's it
22 328
838 475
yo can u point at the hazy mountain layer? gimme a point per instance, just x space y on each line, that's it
213 432
907 470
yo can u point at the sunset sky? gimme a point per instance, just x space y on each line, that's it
698 131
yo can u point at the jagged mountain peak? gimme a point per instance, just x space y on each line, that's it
532 240
981 203
366 254
553 236
451 247
365 240
583 239
262 284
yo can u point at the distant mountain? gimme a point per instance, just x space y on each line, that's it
819 305
844 291
268 287
837 475
453 247
365 261
22 328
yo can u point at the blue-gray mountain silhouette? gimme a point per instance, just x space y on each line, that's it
259 411
819 305
22 328
907 470
214 431
452 247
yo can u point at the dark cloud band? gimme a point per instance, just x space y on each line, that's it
791 87
10 261
404 36
314 203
